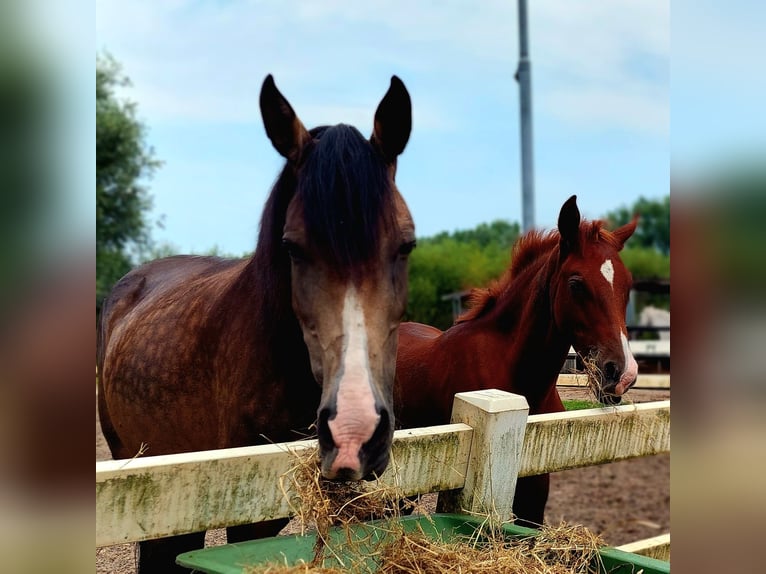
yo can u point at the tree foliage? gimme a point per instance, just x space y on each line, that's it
653 229
498 232
123 164
453 262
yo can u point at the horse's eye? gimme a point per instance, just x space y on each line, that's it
406 248
294 250
576 285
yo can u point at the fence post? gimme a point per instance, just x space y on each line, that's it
498 420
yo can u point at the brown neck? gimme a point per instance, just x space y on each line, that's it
524 336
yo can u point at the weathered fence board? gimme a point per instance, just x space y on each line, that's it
560 441
643 381
160 496
655 348
655 547
498 419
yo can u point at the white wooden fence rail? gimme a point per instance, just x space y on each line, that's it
655 547
573 439
643 381
478 459
158 496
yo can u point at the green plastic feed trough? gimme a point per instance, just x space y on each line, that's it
242 557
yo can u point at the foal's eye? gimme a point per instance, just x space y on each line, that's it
576 285
406 248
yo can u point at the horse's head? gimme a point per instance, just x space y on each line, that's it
591 295
347 234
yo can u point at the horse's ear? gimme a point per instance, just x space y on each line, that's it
622 234
569 227
285 130
393 121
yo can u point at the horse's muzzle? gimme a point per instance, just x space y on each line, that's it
352 461
615 383
607 396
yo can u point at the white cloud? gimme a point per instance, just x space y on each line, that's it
606 64
204 62
605 107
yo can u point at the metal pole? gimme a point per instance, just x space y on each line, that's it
524 77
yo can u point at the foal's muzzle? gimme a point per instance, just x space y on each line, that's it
615 382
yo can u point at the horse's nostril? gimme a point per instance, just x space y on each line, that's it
324 435
384 423
376 449
611 371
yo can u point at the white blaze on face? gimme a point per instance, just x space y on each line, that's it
630 373
356 418
607 270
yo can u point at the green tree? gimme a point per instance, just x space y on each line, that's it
452 262
497 233
124 162
653 222
645 263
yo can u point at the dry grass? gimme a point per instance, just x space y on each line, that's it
595 376
556 550
322 504
593 372
388 549
563 549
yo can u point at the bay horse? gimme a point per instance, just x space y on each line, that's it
563 288
198 353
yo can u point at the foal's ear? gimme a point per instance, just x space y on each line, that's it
569 227
393 121
622 234
283 127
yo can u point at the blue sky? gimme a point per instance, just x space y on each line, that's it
601 101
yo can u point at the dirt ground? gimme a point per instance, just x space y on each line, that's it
623 501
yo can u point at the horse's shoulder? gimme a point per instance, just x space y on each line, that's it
125 294
157 280
184 266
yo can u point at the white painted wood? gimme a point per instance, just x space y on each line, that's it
655 547
159 496
660 348
498 419
559 441
152 497
642 382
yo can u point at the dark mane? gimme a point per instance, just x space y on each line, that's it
527 250
344 187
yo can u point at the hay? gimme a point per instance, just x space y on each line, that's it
323 504
318 502
593 373
595 377
556 550
302 568
560 550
